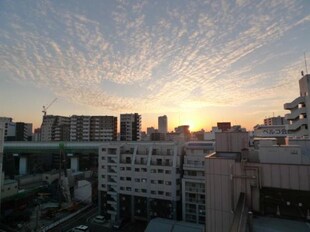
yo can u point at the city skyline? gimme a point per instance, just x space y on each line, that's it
196 62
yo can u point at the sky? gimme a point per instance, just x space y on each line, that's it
198 62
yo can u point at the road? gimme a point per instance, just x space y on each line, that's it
86 218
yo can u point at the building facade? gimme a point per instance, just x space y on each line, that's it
140 180
23 131
9 128
298 122
273 121
163 124
130 126
93 128
269 181
55 128
193 181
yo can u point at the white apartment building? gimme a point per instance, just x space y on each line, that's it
140 180
130 125
193 181
298 122
9 127
162 124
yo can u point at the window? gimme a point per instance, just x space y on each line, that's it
103 176
168 172
153 170
128 168
168 194
160 181
103 149
143 180
122 168
143 169
153 182
137 180
168 182
143 190
153 192
103 185
102 158
103 166
122 178
136 190
137 169
128 188
128 178
160 171
160 192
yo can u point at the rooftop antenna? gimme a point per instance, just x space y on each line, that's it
306 63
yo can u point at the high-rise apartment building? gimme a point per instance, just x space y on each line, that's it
79 128
55 128
23 131
162 124
140 180
130 125
299 117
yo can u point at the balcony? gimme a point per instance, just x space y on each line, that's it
295 113
294 104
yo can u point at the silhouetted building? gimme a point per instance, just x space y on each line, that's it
224 126
130 125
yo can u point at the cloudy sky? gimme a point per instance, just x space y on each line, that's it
198 62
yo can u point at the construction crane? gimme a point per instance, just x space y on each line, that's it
45 108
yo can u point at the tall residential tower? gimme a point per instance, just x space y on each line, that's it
162 124
130 127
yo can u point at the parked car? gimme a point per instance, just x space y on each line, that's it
81 228
99 219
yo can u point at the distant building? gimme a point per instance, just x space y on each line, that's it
55 128
130 125
23 131
162 124
299 117
273 121
93 128
210 136
140 180
184 131
224 126
36 135
16 131
9 128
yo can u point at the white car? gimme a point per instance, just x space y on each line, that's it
99 219
80 228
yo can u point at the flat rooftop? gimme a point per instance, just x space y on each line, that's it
269 224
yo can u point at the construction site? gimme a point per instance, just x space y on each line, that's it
47 190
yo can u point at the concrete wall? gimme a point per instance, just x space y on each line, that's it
231 141
225 179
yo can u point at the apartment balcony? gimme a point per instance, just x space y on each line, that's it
297 124
294 104
112 170
295 113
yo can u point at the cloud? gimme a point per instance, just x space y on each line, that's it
179 55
